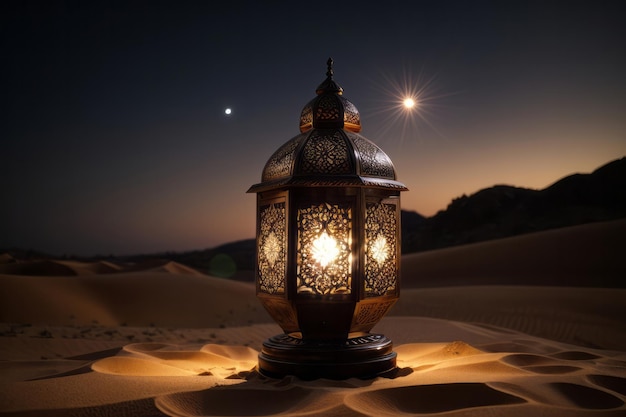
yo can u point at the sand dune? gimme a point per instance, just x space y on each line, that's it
592 317
589 255
52 267
142 298
162 339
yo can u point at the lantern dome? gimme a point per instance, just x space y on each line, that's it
329 151
330 109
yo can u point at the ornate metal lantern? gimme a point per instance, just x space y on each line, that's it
328 245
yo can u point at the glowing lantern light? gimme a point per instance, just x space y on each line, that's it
324 249
328 245
379 249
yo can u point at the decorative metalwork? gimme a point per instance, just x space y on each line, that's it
329 85
327 108
293 340
351 115
328 249
280 163
326 152
371 313
381 272
272 249
306 118
314 157
330 181
324 249
374 162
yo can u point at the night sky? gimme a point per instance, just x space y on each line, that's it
115 138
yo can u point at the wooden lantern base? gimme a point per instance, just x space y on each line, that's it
362 356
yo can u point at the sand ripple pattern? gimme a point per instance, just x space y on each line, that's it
432 378
160 359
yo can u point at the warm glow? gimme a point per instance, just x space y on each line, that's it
408 100
379 249
325 249
271 248
408 103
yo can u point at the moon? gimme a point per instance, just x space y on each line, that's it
228 111
408 103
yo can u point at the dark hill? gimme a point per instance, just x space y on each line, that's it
503 211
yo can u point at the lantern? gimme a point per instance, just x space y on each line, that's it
328 245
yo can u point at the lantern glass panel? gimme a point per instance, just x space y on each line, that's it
324 249
381 231
272 241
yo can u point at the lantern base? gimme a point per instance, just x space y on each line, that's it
362 355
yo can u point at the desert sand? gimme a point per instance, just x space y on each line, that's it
474 332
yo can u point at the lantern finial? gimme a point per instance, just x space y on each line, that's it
329 85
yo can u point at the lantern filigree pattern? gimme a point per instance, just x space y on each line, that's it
281 162
351 114
306 118
372 313
324 255
271 253
380 255
374 162
327 108
324 153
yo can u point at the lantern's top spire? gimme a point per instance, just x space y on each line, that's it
329 85
330 109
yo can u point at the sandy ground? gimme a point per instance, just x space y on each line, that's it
165 340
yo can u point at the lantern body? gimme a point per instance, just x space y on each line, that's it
328 242
336 247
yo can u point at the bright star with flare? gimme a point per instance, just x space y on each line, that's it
407 104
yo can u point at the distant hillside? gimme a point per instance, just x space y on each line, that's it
503 211
232 260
